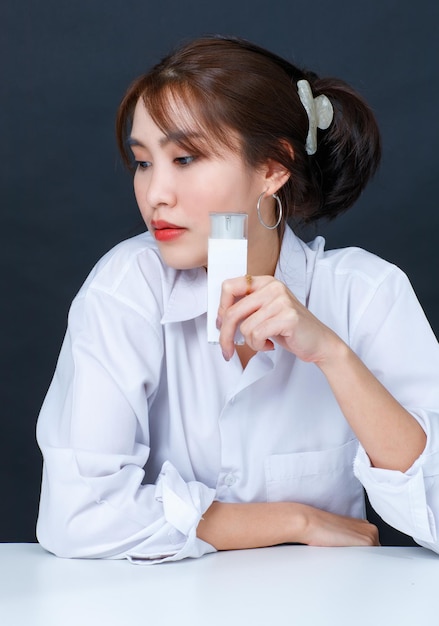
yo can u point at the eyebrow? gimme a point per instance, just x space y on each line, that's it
132 141
176 136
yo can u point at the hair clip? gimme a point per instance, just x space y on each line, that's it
320 113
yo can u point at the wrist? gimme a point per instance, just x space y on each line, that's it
336 356
298 522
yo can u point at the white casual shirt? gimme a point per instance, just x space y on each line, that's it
145 423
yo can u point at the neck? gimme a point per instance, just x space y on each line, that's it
263 253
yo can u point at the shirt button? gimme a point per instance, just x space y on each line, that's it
229 480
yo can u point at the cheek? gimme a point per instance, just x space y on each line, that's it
140 195
136 186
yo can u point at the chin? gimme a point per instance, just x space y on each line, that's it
178 262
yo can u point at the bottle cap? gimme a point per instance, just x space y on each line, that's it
228 225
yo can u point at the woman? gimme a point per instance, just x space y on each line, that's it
159 446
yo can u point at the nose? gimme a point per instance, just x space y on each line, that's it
159 187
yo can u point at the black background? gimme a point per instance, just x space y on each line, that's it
66 199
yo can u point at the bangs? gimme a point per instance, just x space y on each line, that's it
192 120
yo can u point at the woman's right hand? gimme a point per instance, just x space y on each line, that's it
237 526
328 529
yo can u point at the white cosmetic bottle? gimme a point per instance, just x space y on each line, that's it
227 258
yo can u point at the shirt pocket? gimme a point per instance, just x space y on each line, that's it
323 479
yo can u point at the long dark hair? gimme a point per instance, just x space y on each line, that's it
234 88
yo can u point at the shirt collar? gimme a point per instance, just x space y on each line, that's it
188 298
291 267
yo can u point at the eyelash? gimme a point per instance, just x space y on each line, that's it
183 161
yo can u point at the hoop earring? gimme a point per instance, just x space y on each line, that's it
279 206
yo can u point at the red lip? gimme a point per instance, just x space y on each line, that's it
165 231
159 224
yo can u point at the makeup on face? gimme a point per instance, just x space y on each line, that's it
165 231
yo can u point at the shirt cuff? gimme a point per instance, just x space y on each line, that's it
399 498
183 506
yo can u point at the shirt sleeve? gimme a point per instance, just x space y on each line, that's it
395 341
94 435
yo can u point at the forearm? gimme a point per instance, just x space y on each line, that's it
229 526
260 524
391 436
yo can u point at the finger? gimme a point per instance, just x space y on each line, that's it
258 321
266 304
231 312
232 317
233 289
260 336
275 314
249 299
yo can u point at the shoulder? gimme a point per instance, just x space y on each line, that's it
125 260
133 275
333 278
351 262
346 283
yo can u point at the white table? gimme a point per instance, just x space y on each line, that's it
296 585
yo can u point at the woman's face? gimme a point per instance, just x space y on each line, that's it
176 191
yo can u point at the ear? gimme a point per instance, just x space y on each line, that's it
276 175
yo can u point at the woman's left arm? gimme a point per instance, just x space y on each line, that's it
391 436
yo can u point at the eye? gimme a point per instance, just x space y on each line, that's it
184 160
143 165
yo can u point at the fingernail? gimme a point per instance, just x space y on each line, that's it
226 356
219 323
